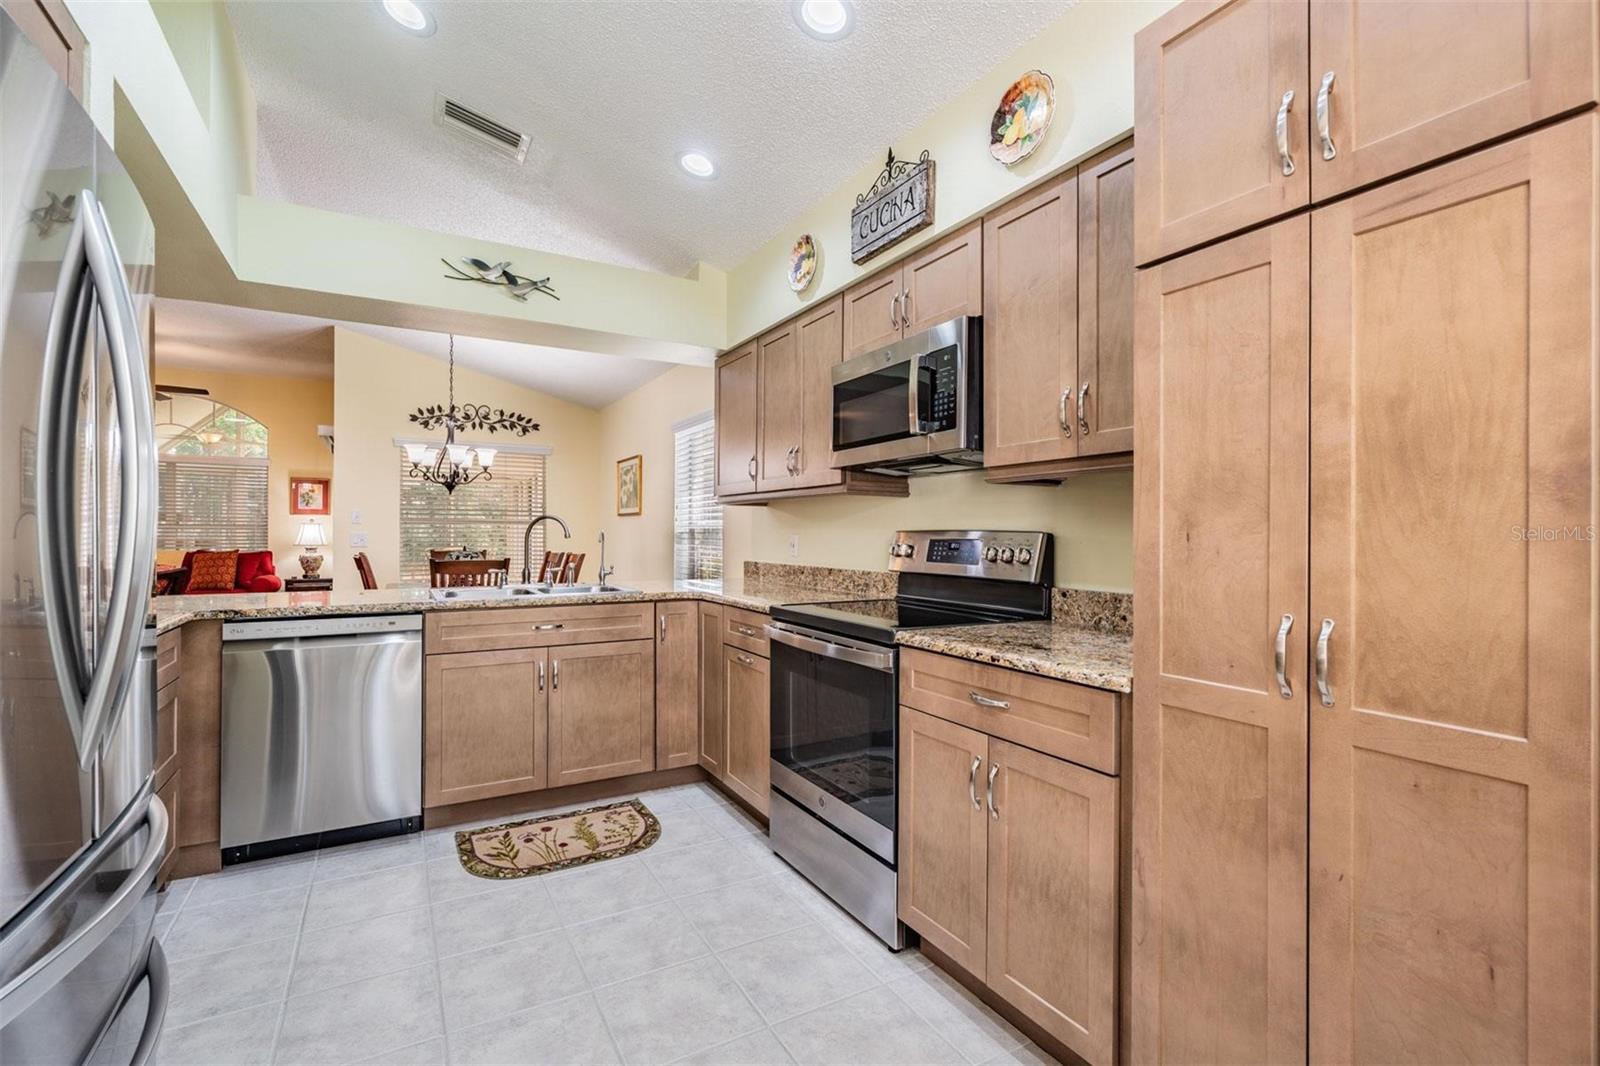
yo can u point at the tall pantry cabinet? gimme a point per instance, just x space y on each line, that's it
1364 739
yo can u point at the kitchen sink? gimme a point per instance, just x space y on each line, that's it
535 591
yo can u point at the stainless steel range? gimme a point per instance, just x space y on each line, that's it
835 693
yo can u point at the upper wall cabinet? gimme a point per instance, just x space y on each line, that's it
780 383
1248 109
1400 83
1219 117
737 408
939 283
1058 324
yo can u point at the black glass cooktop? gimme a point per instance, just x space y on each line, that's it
877 620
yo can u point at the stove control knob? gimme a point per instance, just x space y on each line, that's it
1007 555
1025 556
991 554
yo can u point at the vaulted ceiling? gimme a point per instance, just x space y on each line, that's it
611 92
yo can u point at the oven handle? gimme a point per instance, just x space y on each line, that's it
881 661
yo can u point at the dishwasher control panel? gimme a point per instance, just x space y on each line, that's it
355 625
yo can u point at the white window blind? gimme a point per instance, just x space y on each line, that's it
696 515
487 515
212 502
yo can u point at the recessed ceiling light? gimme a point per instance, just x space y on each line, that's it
697 164
826 20
410 16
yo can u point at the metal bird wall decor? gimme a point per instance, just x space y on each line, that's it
57 212
470 269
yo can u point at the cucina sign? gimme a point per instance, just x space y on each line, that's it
899 204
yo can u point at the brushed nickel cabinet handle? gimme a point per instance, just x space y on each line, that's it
986 701
543 626
894 311
1281 131
994 812
1083 421
972 782
745 659
663 621
1061 411
1322 663
752 468
555 674
747 631
905 308
1280 653
1328 150
541 675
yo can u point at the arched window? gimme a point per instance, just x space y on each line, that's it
213 473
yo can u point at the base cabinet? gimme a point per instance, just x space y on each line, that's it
484 723
713 718
747 703
602 711
1009 865
677 684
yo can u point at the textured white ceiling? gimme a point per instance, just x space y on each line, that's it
242 340
612 92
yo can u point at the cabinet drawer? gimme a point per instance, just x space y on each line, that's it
166 732
169 647
537 627
1056 717
745 629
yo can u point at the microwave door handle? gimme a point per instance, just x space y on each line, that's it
914 395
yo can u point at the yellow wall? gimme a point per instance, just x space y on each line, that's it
291 409
640 546
376 384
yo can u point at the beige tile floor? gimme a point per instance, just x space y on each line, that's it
704 948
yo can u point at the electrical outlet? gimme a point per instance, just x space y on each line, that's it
358 540
794 547
355 518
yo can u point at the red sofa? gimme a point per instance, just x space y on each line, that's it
256 574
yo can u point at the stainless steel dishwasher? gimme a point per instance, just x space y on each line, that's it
321 732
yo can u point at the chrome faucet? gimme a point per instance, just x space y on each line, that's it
527 542
605 571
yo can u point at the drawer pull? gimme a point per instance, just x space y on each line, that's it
972 783
986 701
745 659
545 626
747 631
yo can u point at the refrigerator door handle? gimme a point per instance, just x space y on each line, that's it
55 466
155 1015
112 678
25 989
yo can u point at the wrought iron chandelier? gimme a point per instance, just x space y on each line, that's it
455 464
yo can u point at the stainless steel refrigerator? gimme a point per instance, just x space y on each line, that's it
81 833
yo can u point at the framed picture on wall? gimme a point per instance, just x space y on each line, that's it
308 495
630 485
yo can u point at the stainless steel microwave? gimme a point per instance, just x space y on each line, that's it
914 407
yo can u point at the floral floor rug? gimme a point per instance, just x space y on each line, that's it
558 841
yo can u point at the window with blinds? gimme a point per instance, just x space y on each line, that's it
488 515
212 502
696 515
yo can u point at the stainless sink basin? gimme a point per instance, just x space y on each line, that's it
514 592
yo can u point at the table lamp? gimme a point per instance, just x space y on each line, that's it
311 536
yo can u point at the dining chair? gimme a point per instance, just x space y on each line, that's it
561 568
459 573
364 568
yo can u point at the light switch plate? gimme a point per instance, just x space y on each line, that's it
355 518
358 540
794 547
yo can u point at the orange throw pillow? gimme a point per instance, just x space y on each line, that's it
213 571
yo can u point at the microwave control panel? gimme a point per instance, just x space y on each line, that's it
940 386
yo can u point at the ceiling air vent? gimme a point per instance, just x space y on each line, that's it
480 127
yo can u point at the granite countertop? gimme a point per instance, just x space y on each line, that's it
169 612
1051 649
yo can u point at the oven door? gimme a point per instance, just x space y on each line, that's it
833 732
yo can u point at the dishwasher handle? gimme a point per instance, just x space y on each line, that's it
289 628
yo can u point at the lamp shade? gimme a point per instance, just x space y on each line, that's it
311 535
486 456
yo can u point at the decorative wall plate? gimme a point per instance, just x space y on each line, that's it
802 263
1022 118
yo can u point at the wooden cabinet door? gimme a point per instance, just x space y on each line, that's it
821 332
1030 326
1416 80
677 684
713 716
1053 896
602 711
1454 481
781 379
484 723
944 280
1209 80
1104 406
944 836
1218 753
872 313
747 703
737 413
